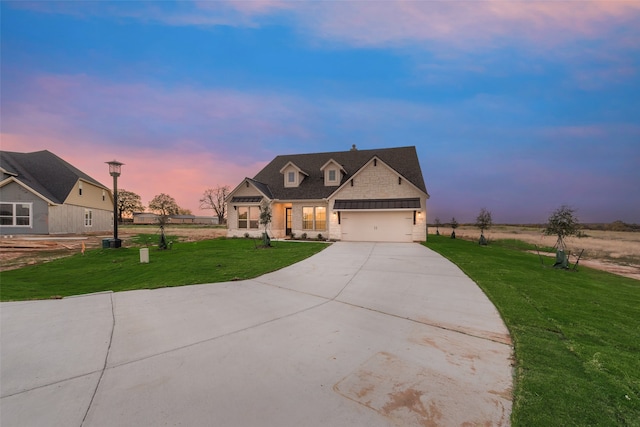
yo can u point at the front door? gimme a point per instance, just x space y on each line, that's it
287 226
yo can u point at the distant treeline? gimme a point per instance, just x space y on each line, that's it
613 226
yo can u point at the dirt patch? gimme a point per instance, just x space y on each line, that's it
616 252
19 251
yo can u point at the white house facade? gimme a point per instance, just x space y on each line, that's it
356 195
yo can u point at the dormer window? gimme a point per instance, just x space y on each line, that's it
293 175
333 173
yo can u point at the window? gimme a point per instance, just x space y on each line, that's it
88 218
15 214
80 189
104 196
314 218
243 216
307 218
332 175
321 218
291 177
254 215
248 216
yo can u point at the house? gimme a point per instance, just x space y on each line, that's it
42 194
152 218
145 218
355 195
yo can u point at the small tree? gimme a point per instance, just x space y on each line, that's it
128 203
438 224
562 223
483 222
454 225
213 198
164 205
265 220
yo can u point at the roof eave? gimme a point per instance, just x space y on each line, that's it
29 189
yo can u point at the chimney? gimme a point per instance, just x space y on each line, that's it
353 147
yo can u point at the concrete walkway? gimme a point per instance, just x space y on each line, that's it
367 334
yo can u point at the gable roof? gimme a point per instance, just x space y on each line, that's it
403 160
45 173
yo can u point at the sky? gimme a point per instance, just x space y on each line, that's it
515 106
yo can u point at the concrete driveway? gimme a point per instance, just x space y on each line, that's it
364 334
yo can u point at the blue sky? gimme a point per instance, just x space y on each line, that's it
516 107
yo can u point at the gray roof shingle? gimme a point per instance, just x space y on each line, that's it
403 160
45 173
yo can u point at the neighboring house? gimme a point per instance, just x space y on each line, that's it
152 218
356 195
145 218
42 194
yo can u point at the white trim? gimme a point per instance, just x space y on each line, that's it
15 216
95 184
375 158
290 163
244 181
31 190
3 170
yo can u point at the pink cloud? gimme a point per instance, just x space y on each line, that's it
86 108
388 23
465 23
184 174
178 141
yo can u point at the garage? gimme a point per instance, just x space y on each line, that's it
377 226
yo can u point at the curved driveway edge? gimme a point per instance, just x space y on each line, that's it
369 334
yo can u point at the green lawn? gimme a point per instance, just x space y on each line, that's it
576 334
187 263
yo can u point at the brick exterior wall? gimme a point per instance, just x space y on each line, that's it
379 182
372 182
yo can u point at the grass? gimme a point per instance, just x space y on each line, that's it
187 263
576 334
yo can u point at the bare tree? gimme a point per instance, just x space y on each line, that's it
453 223
483 222
213 198
128 203
438 224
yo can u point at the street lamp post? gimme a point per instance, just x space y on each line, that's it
114 171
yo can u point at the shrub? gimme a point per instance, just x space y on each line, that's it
320 236
304 236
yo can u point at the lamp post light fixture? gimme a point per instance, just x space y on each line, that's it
114 171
